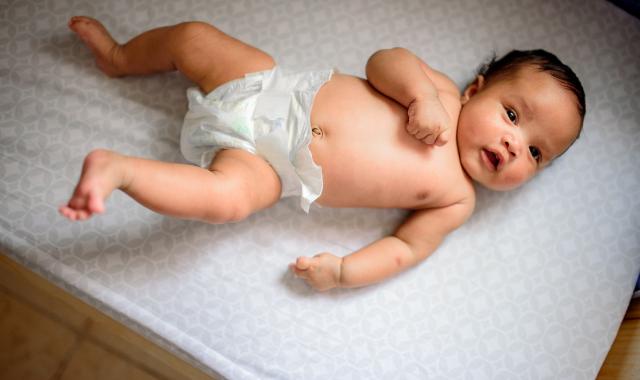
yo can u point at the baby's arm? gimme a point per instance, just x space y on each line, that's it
413 242
404 77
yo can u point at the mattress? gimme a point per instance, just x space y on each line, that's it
534 286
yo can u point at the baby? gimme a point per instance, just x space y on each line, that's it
403 138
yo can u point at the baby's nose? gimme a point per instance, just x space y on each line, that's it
512 145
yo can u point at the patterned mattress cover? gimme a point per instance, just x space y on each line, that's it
533 286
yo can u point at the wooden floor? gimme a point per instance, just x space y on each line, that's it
46 334
623 361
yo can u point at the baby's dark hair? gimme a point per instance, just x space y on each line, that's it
544 61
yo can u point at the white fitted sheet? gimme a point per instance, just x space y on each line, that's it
533 286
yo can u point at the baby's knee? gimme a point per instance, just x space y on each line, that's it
237 210
191 31
232 203
227 212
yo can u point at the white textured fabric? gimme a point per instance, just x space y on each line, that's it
534 286
266 113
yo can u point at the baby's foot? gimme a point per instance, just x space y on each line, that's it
101 174
104 48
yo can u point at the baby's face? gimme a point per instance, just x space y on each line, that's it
513 127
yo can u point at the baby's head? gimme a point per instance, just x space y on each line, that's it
521 112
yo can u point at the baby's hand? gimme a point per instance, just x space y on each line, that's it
428 121
321 271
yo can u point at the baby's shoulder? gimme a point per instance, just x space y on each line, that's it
462 195
453 190
462 209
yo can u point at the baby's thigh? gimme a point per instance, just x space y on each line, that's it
251 180
210 57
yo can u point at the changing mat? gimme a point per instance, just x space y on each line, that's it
533 286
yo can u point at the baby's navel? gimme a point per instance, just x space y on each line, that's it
317 131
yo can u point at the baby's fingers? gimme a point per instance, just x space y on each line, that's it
301 267
443 138
303 263
417 131
298 272
428 139
412 127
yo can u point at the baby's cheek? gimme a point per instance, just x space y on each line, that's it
517 178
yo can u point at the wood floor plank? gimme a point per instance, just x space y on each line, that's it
103 330
32 346
91 361
623 360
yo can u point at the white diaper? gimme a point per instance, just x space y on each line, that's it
267 113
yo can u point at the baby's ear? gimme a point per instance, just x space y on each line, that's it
472 89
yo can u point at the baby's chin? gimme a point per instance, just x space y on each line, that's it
497 185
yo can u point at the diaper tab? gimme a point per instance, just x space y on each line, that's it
274 99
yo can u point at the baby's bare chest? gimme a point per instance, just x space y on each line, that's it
359 173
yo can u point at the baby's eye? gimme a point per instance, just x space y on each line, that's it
535 153
512 115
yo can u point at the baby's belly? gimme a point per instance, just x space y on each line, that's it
367 157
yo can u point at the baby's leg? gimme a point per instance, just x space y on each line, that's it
200 51
237 184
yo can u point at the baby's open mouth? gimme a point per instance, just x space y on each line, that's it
493 158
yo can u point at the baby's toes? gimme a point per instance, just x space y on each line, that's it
82 215
66 212
78 202
69 213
